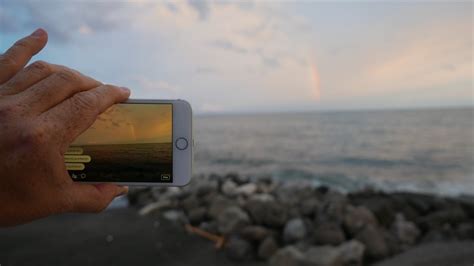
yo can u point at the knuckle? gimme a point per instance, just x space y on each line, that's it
67 75
8 61
85 100
34 136
41 68
7 110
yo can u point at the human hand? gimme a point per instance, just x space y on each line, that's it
43 108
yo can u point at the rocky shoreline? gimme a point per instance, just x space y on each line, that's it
296 223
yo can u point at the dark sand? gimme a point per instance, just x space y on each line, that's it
115 237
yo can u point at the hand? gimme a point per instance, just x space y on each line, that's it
43 108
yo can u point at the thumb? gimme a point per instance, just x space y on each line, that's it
94 198
17 56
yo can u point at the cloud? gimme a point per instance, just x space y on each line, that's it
227 45
201 6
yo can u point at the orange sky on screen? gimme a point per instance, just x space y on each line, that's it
130 123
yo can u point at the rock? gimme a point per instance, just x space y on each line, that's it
210 227
229 188
247 189
333 207
295 230
405 231
156 207
219 204
328 233
190 202
239 249
465 230
352 253
264 210
196 216
294 192
238 179
356 218
323 256
232 219
288 256
373 239
439 218
175 216
254 233
310 206
267 248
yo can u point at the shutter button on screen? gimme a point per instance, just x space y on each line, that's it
181 143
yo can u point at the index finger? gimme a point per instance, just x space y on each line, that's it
17 56
76 114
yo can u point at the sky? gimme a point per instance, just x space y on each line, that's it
130 123
262 56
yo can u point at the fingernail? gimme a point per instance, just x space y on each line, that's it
38 33
123 190
125 89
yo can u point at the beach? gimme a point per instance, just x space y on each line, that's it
259 221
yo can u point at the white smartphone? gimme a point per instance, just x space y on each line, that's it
138 142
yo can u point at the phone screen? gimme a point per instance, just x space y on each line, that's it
127 143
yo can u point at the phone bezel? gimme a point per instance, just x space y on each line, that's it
182 159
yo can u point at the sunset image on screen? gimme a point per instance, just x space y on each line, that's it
127 143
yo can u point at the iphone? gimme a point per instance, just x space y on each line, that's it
138 142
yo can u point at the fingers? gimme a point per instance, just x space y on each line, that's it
15 58
93 198
55 88
29 76
76 114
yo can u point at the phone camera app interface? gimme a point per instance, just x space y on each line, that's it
127 143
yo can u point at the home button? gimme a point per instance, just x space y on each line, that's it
181 143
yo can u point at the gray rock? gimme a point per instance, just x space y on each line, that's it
405 231
175 216
190 202
238 179
333 207
446 216
288 256
294 231
239 249
310 206
196 216
156 207
254 233
267 248
264 210
352 253
323 256
232 219
247 189
229 188
374 241
219 204
210 226
356 218
329 233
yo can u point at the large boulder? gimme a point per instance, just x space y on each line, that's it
239 249
232 219
356 218
352 253
246 189
294 231
405 231
288 256
255 233
229 188
310 207
333 207
219 204
373 238
264 210
267 248
197 215
328 233
323 256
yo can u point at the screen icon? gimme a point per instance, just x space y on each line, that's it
165 177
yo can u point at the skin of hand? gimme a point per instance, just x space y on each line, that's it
43 108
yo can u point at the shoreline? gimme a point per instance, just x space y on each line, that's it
274 221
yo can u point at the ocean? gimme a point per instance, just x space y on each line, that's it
430 151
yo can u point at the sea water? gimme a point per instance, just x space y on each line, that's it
428 151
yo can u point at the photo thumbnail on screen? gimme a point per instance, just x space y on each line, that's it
127 143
